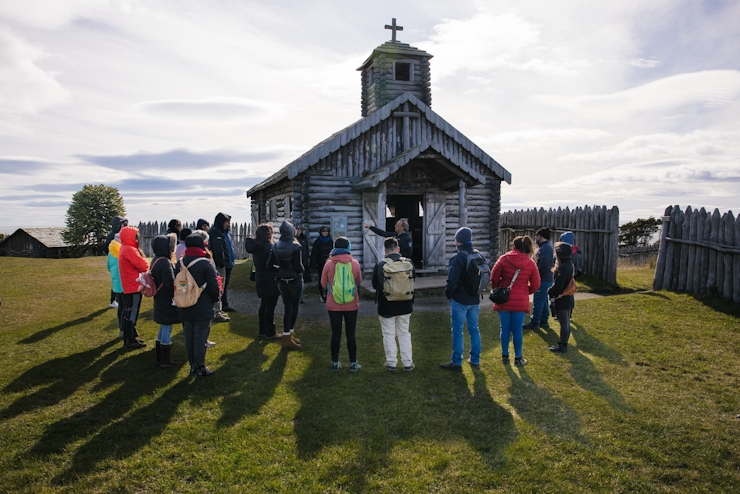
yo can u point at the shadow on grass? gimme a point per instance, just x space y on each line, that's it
655 294
45 333
368 413
61 378
718 303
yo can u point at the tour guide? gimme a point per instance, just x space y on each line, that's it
402 233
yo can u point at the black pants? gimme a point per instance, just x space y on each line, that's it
225 297
350 321
267 315
119 299
322 289
196 335
113 297
132 303
291 293
564 320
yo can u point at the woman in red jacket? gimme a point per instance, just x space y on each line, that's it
131 263
511 314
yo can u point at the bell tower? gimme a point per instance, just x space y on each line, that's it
393 69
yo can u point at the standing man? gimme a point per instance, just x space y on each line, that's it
229 265
401 233
219 249
545 258
301 237
464 306
394 315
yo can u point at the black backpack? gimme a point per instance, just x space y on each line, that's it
477 273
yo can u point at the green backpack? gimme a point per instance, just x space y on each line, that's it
343 287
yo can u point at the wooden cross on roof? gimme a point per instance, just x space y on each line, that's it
394 28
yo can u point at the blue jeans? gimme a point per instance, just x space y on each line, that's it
541 309
165 332
511 324
460 314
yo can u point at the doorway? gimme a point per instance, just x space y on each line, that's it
411 207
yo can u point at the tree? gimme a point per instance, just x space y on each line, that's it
638 232
90 215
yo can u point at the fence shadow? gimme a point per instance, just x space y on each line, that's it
718 303
45 333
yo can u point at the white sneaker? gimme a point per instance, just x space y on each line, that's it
210 344
113 305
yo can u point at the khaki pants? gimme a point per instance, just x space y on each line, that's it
392 328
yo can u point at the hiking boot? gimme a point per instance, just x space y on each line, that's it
289 344
409 368
203 371
134 345
210 344
335 366
474 366
505 359
520 361
559 348
389 367
451 367
531 325
221 317
354 367
292 335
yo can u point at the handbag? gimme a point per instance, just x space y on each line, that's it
570 289
500 295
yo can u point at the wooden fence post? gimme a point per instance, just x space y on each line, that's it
660 266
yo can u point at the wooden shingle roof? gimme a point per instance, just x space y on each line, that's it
49 237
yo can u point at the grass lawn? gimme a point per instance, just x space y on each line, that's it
644 401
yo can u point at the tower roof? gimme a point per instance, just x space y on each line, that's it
394 48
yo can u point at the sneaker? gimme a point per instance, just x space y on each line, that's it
229 309
545 326
141 342
134 345
323 299
559 348
221 317
335 366
474 366
389 367
451 367
204 372
193 369
409 368
113 305
354 367
505 359
520 362
531 325
210 344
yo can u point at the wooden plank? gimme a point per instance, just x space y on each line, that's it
729 239
668 271
706 235
691 266
736 264
721 256
713 237
684 262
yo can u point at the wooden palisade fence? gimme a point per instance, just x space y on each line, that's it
596 230
699 252
149 230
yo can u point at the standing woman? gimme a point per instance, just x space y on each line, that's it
131 263
511 313
267 288
286 258
319 254
563 271
165 311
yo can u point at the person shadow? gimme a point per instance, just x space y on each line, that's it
57 379
45 333
374 411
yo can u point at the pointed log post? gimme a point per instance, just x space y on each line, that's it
663 251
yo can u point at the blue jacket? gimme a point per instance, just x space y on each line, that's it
454 289
545 257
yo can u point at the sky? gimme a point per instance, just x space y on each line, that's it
185 105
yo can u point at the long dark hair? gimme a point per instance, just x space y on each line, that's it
263 234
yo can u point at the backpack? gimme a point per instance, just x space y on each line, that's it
187 291
398 279
343 286
477 273
148 287
577 262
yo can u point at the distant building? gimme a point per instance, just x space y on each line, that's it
35 242
401 160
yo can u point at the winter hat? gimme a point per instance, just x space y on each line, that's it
544 233
464 235
568 238
198 238
185 233
563 250
342 243
200 224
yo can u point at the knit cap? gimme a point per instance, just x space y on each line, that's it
464 235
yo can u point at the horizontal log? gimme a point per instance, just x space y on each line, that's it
709 245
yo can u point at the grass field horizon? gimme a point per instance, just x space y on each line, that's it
644 401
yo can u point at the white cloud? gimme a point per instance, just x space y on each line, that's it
212 109
50 14
644 64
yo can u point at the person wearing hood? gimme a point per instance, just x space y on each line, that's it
115 277
301 237
563 272
131 263
342 264
116 225
545 258
266 286
203 225
319 254
196 320
285 257
511 313
220 251
165 311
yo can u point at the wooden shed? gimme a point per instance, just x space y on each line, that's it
400 160
35 242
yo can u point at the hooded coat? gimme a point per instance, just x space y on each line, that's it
286 254
563 275
115 277
327 278
217 241
116 225
264 278
163 273
202 272
130 261
304 256
320 252
526 283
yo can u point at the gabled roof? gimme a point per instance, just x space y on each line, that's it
49 237
344 136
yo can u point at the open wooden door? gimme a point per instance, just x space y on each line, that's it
434 231
373 213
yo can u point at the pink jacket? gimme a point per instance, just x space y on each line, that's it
526 283
327 276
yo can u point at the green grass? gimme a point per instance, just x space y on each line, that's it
644 401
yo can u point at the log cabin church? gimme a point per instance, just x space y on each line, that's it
400 160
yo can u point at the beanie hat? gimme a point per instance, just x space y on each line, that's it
568 238
563 250
464 235
198 238
341 243
544 233
200 224
185 233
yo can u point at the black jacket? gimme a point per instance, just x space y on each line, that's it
320 253
405 243
265 282
163 273
385 307
116 225
304 256
562 278
202 272
455 276
286 254
217 242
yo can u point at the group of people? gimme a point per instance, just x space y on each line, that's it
282 267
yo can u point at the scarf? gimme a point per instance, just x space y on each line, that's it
195 252
325 239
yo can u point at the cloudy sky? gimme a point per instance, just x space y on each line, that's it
184 105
